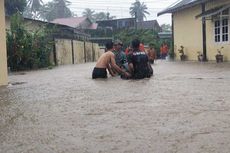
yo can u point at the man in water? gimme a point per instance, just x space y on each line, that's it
107 61
138 62
151 54
120 56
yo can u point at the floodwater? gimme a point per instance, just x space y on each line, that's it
184 108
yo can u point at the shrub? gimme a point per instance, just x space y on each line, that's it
27 50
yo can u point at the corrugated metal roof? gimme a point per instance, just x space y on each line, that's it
72 22
182 4
213 11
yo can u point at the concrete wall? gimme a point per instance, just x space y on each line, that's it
63 51
188 33
88 51
3 56
97 51
75 52
79 56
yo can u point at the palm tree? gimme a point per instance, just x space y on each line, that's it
35 5
33 8
138 10
110 17
100 16
89 14
61 8
56 9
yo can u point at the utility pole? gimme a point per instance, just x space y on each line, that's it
204 33
135 22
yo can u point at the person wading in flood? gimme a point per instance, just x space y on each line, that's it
120 57
138 62
107 61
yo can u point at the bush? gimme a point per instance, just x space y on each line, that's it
27 50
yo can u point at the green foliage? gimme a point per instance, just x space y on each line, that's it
89 14
35 5
166 27
33 9
147 36
144 35
138 10
27 50
55 9
14 6
97 16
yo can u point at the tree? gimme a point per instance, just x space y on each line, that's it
56 9
27 12
138 10
33 9
100 16
110 17
14 6
166 27
35 5
97 16
89 14
25 49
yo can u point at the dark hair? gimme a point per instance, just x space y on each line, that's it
109 45
135 43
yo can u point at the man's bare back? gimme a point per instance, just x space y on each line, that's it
104 60
107 61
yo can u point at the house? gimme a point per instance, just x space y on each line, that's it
117 23
151 24
128 23
65 37
76 22
165 35
201 26
62 31
3 58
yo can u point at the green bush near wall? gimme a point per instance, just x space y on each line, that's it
25 49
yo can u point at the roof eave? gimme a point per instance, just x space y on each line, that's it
168 10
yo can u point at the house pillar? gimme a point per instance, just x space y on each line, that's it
3 56
204 34
172 47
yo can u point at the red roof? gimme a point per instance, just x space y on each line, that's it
93 26
71 22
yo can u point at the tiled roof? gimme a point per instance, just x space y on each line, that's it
93 26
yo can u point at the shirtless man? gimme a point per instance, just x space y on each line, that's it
107 61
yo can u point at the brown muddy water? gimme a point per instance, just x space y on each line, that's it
184 108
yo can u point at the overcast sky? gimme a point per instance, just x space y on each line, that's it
120 8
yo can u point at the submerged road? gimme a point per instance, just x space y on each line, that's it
184 108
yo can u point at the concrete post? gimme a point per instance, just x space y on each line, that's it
3 56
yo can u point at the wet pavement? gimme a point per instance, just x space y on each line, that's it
184 108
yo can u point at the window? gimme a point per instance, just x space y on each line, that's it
225 30
217 31
221 29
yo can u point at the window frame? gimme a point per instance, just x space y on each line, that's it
221 19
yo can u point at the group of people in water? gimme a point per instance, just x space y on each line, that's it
134 63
